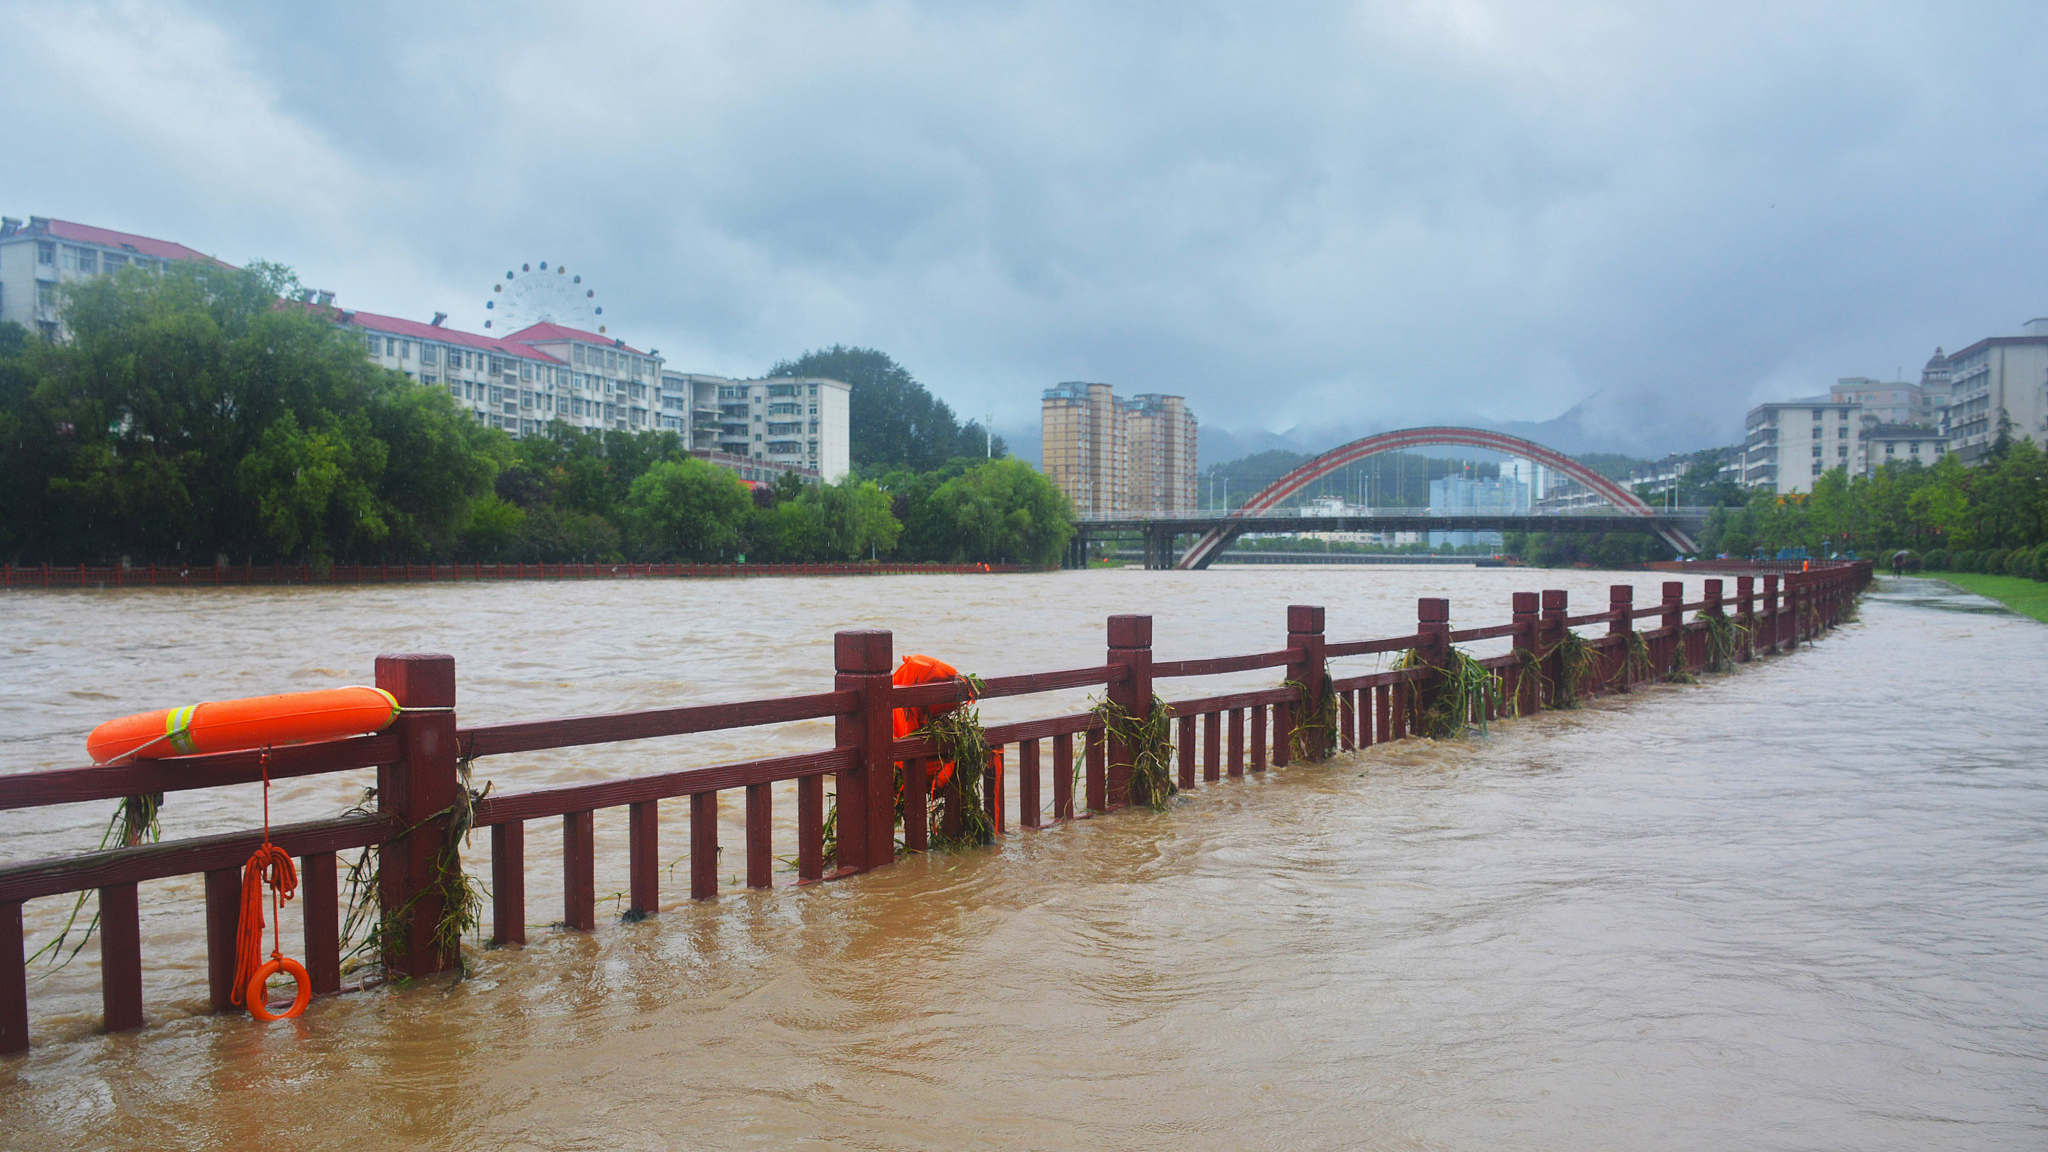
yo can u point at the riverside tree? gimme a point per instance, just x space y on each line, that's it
893 422
191 413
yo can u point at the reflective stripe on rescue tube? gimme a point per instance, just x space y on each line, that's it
251 722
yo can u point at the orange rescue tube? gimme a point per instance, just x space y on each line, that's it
251 722
921 669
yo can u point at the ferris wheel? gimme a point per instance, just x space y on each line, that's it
550 295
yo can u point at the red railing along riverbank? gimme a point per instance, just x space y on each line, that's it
172 576
420 789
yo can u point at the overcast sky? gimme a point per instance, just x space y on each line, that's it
1361 215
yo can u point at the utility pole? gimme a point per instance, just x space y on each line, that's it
988 429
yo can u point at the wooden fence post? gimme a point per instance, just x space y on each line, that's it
1130 648
416 795
1673 618
1621 603
1308 667
1433 624
1528 647
863 659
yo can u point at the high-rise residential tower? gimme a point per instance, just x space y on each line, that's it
1119 456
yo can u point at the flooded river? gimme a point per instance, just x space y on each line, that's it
1801 906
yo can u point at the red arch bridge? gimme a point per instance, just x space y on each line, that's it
1215 531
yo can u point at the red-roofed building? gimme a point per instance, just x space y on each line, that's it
37 257
520 382
524 381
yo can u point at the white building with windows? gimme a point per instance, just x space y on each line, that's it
1791 444
2001 378
523 381
37 258
1901 443
781 424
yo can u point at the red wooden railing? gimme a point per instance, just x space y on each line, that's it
173 576
418 758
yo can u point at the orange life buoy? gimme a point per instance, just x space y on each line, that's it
257 990
236 725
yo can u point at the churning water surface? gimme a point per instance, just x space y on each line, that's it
1804 905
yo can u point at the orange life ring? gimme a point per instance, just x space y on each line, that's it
251 722
258 989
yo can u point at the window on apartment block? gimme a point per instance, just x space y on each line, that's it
428 355
46 252
113 260
1816 451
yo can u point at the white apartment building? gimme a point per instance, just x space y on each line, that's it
548 372
523 381
1790 445
1999 377
1886 401
780 424
37 258
1901 443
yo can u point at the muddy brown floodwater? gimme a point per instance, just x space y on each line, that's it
1800 906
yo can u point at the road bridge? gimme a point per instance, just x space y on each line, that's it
1265 511
1162 533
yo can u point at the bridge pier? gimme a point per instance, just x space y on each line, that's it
1159 554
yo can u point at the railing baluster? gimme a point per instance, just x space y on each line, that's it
1098 770
1347 721
916 805
1212 746
992 790
810 828
1028 812
643 856
1063 776
1187 750
13 981
320 921
1258 738
760 837
223 922
703 845
579 871
508 883
1237 741
120 957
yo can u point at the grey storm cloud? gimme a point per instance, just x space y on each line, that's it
1312 216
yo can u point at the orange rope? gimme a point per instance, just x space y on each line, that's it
273 866
269 865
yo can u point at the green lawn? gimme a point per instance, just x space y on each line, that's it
2018 593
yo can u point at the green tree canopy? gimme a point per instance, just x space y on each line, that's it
894 422
685 508
191 411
